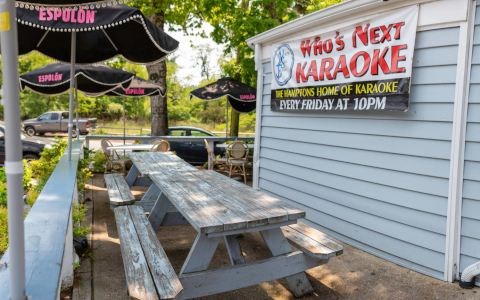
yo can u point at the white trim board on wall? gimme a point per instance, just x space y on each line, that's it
454 210
428 18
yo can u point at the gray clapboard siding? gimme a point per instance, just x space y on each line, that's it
432 57
418 258
470 208
437 38
474 113
471 188
385 210
470 230
472 151
411 182
472 171
399 231
424 202
473 132
411 129
387 144
434 75
403 163
376 180
474 95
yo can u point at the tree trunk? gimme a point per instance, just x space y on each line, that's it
157 73
235 120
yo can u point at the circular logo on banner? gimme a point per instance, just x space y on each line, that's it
283 64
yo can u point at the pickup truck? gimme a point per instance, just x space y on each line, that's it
57 121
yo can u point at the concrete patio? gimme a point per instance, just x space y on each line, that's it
354 275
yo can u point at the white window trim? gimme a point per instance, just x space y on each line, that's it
454 210
258 116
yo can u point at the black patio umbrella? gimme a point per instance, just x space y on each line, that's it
54 79
102 31
240 96
101 34
139 88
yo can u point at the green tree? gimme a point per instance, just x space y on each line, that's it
235 21
202 58
177 15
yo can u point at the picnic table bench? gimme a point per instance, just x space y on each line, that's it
219 207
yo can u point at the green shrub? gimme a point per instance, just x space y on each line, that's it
99 161
78 217
3 229
40 170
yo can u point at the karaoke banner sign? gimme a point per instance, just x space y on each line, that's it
365 66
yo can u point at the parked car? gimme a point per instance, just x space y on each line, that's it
31 146
191 152
57 121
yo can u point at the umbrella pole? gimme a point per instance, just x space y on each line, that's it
76 110
13 161
226 128
72 87
124 125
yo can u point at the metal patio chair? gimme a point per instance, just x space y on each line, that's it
112 158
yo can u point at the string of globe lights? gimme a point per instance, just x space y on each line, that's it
89 5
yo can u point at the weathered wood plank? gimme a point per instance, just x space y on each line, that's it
239 207
173 218
200 254
123 187
113 192
166 281
278 245
158 212
274 214
264 199
234 250
202 206
211 282
139 280
132 175
208 205
307 245
252 229
175 162
202 223
141 166
318 236
118 190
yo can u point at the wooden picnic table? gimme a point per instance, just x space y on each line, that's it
217 206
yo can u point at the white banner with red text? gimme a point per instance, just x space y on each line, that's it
365 66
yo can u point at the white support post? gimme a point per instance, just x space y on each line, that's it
454 210
72 95
13 159
258 118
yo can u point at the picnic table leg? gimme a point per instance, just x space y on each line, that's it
159 211
234 250
278 245
152 194
201 254
132 175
